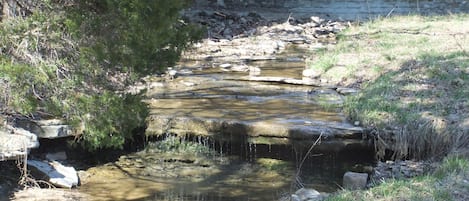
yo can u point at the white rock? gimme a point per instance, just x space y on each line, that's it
58 174
225 65
304 194
311 73
316 19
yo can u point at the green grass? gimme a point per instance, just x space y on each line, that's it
325 62
446 184
413 72
414 76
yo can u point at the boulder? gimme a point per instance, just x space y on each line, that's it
55 173
354 180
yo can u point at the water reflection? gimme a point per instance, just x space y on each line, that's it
197 170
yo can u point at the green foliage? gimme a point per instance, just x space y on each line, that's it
140 36
75 61
106 120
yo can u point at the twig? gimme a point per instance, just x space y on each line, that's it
35 93
220 14
297 176
309 151
390 12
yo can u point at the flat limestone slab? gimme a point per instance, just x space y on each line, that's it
217 107
57 174
16 142
49 129
160 125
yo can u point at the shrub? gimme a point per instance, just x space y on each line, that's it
74 61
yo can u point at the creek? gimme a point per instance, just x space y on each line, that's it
214 136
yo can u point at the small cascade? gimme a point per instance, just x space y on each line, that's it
221 133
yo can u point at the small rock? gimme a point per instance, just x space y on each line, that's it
171 73
356 123
225 65
311 73
307 194
346 91
316 19
254 71
354 180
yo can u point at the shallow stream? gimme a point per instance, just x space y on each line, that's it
201 165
